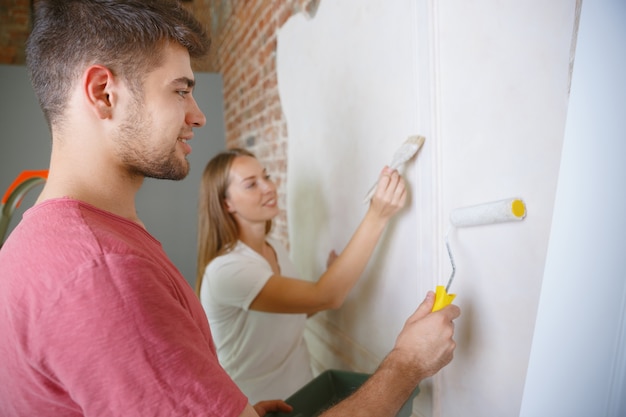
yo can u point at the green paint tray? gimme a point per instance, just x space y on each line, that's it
326 390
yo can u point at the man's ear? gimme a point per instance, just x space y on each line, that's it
99 89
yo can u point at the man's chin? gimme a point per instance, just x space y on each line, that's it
180 173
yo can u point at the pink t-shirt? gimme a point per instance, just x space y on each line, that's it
96 321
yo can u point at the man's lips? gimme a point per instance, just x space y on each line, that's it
186 147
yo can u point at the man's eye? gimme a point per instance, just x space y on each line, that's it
182 93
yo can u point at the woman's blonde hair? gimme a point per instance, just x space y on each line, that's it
217 229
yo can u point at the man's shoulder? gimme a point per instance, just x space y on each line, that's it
64 234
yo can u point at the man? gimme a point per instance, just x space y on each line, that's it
95 320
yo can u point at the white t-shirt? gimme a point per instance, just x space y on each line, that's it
264 353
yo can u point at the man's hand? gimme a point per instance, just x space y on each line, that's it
426 344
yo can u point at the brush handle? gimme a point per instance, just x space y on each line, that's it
394 165
403 154
370 193
442 298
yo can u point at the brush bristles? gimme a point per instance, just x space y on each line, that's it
417 139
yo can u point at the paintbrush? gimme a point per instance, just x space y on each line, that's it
405 152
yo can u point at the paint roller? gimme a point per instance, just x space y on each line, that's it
507 210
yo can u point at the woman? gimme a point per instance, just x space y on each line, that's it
256 305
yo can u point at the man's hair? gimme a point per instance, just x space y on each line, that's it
126 36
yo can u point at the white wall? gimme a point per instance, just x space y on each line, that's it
487 83
577 365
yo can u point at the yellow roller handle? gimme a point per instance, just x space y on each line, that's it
442 298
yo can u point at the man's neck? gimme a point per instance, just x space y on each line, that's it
103 188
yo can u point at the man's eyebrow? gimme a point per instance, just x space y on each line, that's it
190 83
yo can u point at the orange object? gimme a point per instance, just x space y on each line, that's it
20 179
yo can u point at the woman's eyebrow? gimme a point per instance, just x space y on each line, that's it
252 177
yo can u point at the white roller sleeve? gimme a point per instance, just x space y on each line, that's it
510 209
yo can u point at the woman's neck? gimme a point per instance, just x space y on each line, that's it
254 237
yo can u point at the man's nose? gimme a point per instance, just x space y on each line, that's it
195 117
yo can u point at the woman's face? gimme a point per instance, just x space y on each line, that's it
251 195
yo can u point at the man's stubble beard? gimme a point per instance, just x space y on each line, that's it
140 158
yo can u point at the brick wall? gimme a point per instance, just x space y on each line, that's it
243 50
14 29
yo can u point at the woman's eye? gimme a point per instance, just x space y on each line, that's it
251 184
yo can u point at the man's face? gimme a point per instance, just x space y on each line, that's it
152 140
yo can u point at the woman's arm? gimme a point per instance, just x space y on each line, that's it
288 295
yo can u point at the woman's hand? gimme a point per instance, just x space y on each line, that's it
390 195
264 407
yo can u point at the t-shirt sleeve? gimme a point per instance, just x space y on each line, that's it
236 280
127 345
